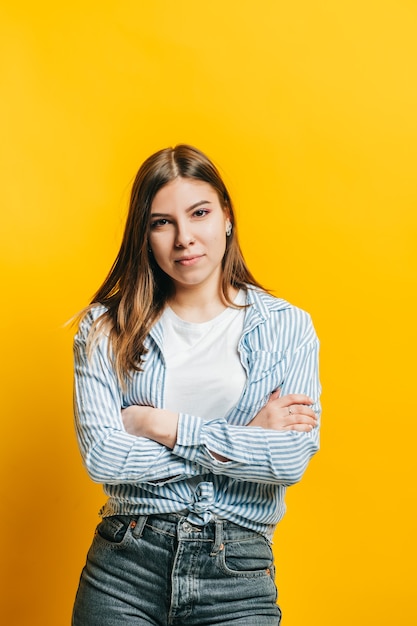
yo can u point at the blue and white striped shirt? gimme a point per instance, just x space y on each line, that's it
278 348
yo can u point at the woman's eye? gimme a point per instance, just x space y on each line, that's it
159 223
200 212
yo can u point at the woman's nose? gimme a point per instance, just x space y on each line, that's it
184 237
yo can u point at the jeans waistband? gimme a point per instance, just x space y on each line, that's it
218 531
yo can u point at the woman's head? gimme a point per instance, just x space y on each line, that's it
161 168
157 171
188 235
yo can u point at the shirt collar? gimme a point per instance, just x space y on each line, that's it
260 305
263 303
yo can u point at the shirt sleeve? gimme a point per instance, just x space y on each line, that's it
256 454
110 454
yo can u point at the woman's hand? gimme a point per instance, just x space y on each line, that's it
156 424
291 412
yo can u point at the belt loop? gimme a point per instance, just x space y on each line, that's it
137 526
218 545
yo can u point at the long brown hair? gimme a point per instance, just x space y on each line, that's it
136 289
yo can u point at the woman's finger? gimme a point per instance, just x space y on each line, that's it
290 420
295 411
275 394
301 428
294 398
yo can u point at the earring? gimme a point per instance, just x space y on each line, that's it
228 229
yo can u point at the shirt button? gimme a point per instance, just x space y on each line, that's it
187 528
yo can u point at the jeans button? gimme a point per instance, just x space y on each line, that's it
187 528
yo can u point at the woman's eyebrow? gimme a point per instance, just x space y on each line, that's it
194 206
190 208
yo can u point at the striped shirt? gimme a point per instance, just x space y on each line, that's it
278 349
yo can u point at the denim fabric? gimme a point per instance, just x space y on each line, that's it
162 570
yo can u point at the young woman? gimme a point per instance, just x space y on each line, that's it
196 405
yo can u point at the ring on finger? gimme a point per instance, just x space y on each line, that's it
289 411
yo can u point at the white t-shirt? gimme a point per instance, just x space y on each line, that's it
204 374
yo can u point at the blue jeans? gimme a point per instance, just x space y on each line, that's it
162 570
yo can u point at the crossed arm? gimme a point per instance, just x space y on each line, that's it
143 444
289 412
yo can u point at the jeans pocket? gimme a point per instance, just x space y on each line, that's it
249 558
114 530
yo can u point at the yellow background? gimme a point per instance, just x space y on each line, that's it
310 109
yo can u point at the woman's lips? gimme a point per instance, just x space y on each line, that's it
189 260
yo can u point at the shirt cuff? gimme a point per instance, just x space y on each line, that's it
188 436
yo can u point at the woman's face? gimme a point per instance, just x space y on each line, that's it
188 233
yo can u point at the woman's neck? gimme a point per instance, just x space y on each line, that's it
198 305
